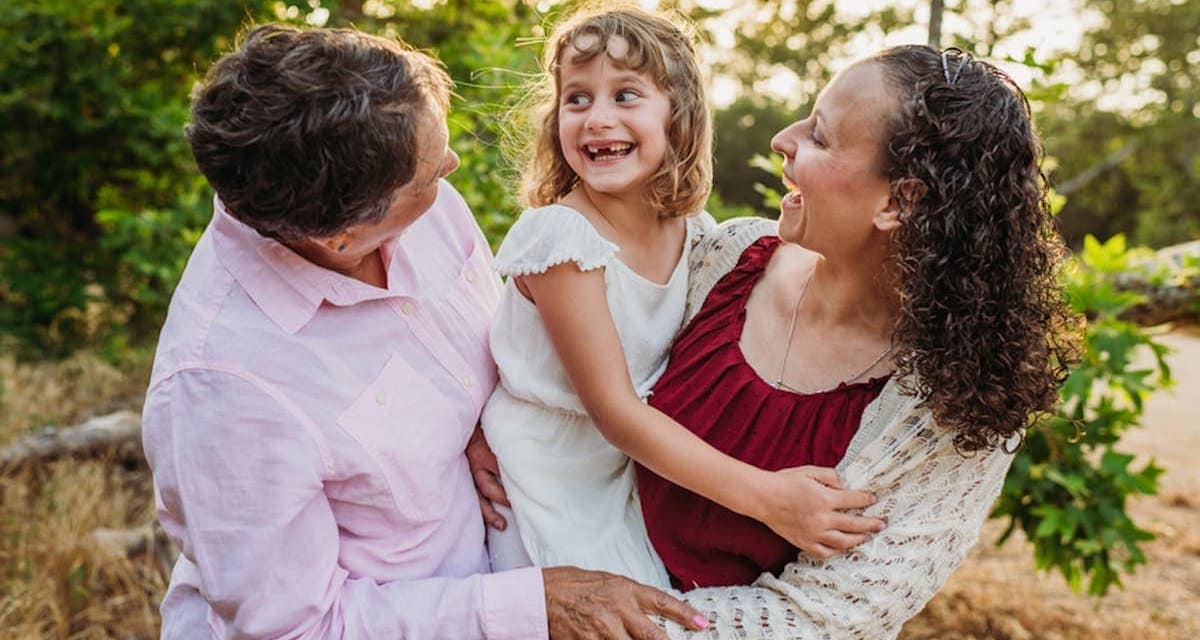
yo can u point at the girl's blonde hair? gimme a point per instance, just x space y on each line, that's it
663 50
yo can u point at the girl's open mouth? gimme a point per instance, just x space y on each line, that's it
608 151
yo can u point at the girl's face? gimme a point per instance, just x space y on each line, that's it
612 122
833 164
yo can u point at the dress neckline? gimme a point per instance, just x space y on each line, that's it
683 255
755 263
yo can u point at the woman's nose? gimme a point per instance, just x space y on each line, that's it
784 143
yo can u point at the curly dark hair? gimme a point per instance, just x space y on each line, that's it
306 132
984 328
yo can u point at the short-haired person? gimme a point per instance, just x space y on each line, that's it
324 363
903 320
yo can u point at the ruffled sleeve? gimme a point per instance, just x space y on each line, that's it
549 236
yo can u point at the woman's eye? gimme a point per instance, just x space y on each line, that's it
627 95
578 99
812 135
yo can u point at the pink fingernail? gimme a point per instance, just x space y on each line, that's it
701 622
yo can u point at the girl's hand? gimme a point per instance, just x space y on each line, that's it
805 506
485 470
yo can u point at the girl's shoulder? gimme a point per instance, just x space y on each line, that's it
544 237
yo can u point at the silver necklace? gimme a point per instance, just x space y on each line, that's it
779 383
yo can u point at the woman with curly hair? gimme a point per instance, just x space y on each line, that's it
902 323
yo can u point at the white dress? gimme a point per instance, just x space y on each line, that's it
573 494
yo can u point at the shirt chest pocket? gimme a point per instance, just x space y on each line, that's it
415 435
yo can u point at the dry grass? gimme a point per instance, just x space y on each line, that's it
54 583
34 394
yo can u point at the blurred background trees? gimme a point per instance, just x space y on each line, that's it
100 201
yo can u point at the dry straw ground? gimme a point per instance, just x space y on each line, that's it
54 583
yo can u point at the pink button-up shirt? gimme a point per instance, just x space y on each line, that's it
306 433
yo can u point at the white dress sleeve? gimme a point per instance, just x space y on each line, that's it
549 236
934 500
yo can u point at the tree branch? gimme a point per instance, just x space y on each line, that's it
1095 171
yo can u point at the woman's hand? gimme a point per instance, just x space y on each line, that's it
805 506
594 605
485 470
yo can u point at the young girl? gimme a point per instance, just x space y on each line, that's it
597 283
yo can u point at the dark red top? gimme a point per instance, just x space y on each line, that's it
710 389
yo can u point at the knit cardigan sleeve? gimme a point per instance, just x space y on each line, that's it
933 498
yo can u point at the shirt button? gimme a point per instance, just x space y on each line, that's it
470 276
381 397
468 382
408 309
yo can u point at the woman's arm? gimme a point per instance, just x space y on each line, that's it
803 505
934 500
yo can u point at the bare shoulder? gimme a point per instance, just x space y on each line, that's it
791 263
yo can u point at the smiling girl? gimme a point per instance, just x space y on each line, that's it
597 284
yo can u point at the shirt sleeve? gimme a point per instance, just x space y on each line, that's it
549 236
935 501
239 476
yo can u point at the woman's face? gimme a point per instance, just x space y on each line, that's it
833 166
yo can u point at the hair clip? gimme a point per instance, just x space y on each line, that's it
946 64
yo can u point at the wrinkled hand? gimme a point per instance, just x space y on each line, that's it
593 605
806 506
485 470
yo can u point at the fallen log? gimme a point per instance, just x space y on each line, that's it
1169 283
130 543
118 433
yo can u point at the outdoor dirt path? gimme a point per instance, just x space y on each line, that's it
998 595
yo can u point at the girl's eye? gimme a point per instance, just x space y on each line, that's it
627 95
578 99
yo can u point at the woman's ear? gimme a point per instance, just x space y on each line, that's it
907 192
337 243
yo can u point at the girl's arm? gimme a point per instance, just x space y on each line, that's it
803 504
935 501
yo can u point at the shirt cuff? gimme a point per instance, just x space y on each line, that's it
514 605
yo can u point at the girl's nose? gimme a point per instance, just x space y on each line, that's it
600 117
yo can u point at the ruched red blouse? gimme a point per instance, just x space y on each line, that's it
709 388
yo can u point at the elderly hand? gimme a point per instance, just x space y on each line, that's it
806 506
593 605
485 470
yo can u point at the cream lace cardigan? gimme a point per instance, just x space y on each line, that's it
933 498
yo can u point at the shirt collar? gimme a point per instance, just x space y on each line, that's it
286 287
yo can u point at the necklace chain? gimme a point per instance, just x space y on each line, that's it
779 383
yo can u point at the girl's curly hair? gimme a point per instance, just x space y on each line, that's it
659 46
984 324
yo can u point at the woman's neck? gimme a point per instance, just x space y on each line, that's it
851 292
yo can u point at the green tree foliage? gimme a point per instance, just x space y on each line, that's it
1070 484
1140 163
93 97
746 128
